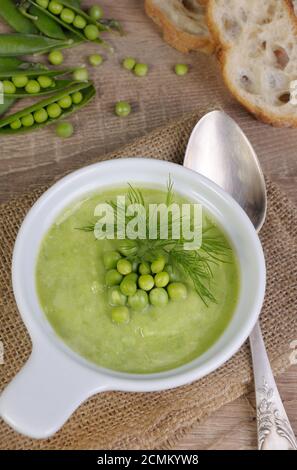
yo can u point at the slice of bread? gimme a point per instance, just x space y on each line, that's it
183 23
257 49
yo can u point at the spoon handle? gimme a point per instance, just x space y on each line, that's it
274 429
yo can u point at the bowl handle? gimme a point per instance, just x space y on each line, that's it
46 391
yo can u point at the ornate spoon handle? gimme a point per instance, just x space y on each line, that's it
274 429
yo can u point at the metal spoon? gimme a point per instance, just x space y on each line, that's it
219 150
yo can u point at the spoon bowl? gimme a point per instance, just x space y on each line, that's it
219 150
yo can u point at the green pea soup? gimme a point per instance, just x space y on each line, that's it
70 280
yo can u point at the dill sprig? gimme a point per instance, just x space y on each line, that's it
195 264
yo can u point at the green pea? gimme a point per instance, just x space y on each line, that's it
124 266
120 315
91 32
64 129
8 87
141 70
54 110
110 259
79 22
27 121
146 282
55 7
113 278
95 12
67 15
40 116
128 287
181 69
65 102
122 109
77 97
138 301
144 268
129 63
81 74
177 291
16 124
173 275
32 87
20 81
95 60
115 296
158 297
158 265
56 57
132 277
42 3
161 279
44 81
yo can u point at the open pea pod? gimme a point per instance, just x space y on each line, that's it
10 13
34 73
70 26
87 91
14 45
42 21
6 105
13 63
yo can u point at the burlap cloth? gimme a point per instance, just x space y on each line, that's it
157 420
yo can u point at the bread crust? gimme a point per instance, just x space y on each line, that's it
180 40
222 52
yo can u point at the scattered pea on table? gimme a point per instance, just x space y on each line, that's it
95 60
56 57
64 129
122 109
96 12
140 70
129 63
181 69
81 74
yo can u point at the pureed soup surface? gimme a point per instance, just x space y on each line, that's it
70 280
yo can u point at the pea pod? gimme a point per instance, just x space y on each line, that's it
11 64
87 91
13 45
34 73
7 103
43 22
12 16
71 27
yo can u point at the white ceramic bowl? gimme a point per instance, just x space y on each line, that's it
55 380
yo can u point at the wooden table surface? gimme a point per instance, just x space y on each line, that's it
42 157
